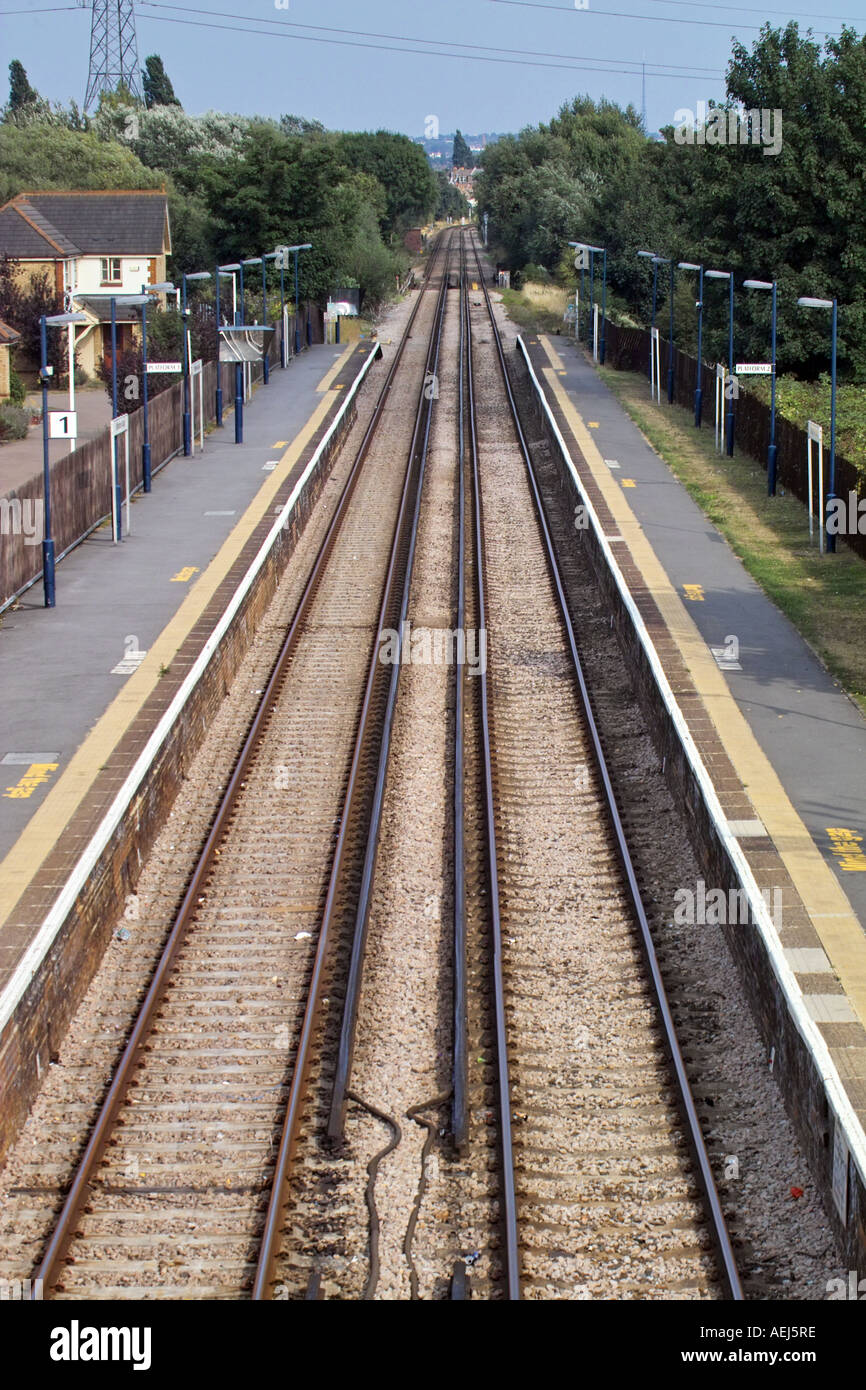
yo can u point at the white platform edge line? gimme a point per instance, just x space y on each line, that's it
844 1111
44 939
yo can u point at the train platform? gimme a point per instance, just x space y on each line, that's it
783 745
85 684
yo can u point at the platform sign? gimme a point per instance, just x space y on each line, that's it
815 435
754 369
196 372
154 368
63 424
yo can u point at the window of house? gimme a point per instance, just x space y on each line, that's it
111 270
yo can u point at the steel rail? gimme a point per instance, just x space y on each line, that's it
133 1053
417 456
687 1105
274 1220
460 1069
509 1196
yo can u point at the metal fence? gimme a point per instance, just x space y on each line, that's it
627 349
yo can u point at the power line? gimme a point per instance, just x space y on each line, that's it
441 43
418 52
649 18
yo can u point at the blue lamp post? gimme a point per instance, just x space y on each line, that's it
296 250
651 256
596 251
771 451
806 302
232 270
259 260
164 287
690 265
126 301
277 256
187 426
729 416
45 373
667 260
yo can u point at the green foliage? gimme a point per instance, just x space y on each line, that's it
14 422
17 389
461 155
22 306
401 168
158 90
797 216
50 156
452 202
20 92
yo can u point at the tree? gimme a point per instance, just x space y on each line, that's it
401 167
461 156
452 202
158 90
21 94
23 301
49 156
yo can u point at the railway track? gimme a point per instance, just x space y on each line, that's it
289 1107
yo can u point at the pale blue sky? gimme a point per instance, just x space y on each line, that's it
287 67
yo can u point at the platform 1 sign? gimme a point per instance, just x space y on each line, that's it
753 369
155 368
62 424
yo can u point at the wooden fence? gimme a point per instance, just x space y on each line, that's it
81 482
627 349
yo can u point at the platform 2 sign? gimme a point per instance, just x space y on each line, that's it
753 369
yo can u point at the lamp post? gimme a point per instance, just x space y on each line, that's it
164 287
771 451
231 270
296 250
651 256
49 321
184 313
596 251
277 256
668 260
806 302
127 301
259 260
690 265
729 416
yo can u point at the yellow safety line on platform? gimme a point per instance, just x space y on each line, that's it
48 822
833 918
338 366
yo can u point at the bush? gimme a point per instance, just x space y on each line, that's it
17 389
14 422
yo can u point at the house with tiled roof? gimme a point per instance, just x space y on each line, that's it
8 337
92 245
